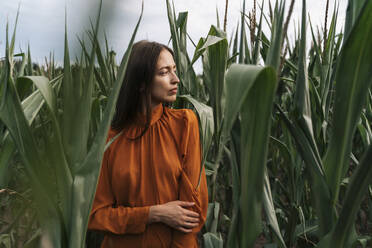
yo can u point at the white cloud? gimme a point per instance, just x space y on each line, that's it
42 21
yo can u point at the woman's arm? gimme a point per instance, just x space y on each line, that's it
117 220
121 220
175 215
188 190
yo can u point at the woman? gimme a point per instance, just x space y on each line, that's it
148 193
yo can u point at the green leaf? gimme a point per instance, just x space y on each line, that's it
12 115
270 211
255 123
250 91
178 35
212 240
77 90
54 149
214 69
234 158
343 233
205 114
31 107
238 85
257 42
320 189
354 77
6 153
302 97
275 48
352 13
211 221
87 173
45 88
5 241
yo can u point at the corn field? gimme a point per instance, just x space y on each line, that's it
285 130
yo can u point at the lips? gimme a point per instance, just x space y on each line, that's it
173 91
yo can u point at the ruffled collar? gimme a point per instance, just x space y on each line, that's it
136 129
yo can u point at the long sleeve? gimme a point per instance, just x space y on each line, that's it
118 220
188 190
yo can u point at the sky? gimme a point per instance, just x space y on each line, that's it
42 22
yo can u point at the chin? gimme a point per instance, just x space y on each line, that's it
170 99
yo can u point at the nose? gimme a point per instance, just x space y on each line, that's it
175 79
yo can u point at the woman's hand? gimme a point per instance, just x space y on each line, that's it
175 215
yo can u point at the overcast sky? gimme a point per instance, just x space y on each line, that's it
41 22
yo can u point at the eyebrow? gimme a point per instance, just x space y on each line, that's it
167 67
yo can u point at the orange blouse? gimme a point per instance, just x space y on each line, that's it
161 166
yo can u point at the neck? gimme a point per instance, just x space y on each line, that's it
153 106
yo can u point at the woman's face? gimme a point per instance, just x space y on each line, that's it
165 82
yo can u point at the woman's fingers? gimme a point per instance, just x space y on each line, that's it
188 212
191 213
186 204
189 225
179 217
192 220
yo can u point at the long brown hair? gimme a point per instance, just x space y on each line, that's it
135 92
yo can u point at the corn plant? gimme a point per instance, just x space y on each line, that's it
61 162
292 175
231 94
312 94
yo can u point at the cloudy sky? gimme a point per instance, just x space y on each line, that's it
41 22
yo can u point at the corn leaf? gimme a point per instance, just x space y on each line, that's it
250 91
214 69
87 173
354 77
275 48
270 211
12 115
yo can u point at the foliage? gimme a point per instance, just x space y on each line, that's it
286 132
